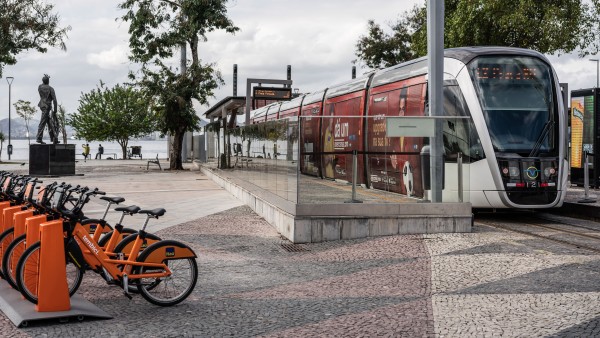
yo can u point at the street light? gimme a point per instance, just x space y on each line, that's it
597 72
9 79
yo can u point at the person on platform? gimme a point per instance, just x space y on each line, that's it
100 152
86 152
46 104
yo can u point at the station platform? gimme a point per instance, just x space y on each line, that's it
306 209
577 205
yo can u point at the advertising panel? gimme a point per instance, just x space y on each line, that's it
582 129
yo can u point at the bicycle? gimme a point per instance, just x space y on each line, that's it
157 271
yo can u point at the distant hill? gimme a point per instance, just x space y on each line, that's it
19 130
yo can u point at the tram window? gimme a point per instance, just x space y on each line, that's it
459 135
518 103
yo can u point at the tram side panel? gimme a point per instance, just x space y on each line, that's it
395 170
342 132
310 139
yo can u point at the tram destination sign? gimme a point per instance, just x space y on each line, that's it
271 93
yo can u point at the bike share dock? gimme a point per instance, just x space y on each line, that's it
47 278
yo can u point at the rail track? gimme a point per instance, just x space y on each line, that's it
572 232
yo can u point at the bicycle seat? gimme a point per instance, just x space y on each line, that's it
115 199
132 209
154 212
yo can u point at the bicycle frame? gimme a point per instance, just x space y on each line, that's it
96 258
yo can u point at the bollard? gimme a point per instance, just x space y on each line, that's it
459 162
586 182
354 177
53 291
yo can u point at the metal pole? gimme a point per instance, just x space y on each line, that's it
9 80
354 177
435 50
459 163
586 182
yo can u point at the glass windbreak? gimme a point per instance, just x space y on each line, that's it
345 159
316 159
516 96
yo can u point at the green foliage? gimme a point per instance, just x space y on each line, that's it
553 26
158 29
26 25
112 114
379 49
25 111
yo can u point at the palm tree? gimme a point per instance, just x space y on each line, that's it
2 139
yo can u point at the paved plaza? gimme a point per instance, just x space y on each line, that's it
488 283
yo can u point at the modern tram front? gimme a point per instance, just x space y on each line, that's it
522 130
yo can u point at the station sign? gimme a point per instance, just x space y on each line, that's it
410 126
271 93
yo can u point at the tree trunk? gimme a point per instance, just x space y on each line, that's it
123 145
175 162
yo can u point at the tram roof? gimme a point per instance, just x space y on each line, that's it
419 66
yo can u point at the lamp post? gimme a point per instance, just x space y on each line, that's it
9 79
597 71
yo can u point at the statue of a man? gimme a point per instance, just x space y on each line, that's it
47 102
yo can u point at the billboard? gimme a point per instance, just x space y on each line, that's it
582 129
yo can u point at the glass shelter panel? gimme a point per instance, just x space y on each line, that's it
315 159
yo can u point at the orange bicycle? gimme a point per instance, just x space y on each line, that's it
165 273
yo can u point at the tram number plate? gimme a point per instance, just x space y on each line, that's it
532 184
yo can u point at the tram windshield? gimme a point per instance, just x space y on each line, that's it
516 98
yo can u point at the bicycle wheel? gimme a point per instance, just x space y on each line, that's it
11 258
170 290
5 238
28 272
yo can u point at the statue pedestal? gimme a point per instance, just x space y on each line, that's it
51 159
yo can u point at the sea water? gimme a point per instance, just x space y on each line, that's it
149 148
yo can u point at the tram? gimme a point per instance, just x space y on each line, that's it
511 128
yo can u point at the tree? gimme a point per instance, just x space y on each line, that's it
25 111
2 139
557 26
25 25
158 28
379 49
112 114
61 116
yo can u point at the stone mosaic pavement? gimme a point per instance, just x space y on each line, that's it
489 283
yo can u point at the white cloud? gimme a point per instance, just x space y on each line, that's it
114 58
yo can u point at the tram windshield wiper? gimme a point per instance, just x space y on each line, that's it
538 144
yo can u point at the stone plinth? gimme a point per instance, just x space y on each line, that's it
51 159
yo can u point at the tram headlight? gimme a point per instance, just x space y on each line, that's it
549 172
514 172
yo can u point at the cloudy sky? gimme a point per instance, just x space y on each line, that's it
316 37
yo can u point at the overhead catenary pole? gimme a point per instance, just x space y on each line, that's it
435 51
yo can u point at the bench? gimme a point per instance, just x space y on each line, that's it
113 157
242 159
156 161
